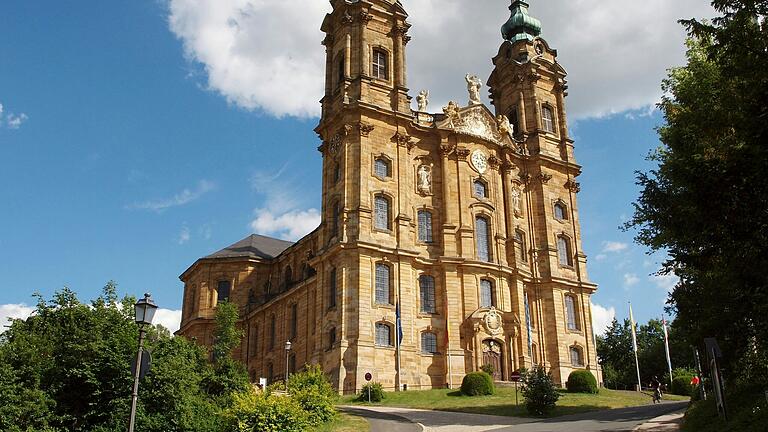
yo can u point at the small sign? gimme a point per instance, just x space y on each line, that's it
514 376
262 383
368 376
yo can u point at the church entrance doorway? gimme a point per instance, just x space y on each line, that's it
492 356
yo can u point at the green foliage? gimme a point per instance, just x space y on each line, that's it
229 375
681 385
258 411
581 381
539 391
376 393
747 412
488 368
477 384
314 393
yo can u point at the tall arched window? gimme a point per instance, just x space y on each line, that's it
522 251
570 313
425 226
380 64
341 68
428 343
427 293
331 337
576 356
561 213
564 250
335 219
547 119
288 278
332 289
483 234
223 289
383 284
383 334
487 299
381 212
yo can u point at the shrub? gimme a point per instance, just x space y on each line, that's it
375 390
488 368
681 385
581 381
539 391
477 384
254 411
312 390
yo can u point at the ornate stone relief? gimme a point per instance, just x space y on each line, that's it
403 140
365 17
424 179
573 186
347 18
423 100
545 178
517 199
452 113
493 322
365 129
462 153
504 126
478 123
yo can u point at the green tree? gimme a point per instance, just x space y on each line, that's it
229 375
705 204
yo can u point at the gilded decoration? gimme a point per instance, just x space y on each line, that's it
474 121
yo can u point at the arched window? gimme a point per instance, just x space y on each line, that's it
577 359
335 219
480 189
486 294
341 65
522 254
332 289
288 277
428 343
561 212
425 226
382 167
331 337
383 284
383 334
223 289
381 212
564 250
380 64
547 119
427 293
570 313
483 234
272 332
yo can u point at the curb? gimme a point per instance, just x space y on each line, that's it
667 423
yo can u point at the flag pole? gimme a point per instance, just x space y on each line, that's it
634 347
666 348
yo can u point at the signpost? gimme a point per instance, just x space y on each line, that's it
369 377
515 377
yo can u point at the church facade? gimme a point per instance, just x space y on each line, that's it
449 240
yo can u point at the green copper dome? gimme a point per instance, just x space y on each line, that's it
520 25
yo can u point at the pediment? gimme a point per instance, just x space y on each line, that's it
476 121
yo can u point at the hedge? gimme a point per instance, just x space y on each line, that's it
477 384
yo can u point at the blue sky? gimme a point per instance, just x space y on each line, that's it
132 145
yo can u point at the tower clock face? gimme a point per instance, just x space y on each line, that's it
479 161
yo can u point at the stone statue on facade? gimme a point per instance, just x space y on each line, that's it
516 201
425 179
505 127
452 113
473 86
423 100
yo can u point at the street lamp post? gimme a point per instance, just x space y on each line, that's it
287 354
145 312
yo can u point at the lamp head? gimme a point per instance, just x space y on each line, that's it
287 345
145 310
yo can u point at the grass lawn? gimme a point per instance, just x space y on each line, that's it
503 402
345 423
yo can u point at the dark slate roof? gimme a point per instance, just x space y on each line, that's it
254 246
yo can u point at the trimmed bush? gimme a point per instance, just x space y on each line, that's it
376 391
312 390
539 391
488 368
581 381
681 385
255 411
477 384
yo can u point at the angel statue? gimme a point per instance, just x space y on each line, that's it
473 86
452 113
425 179
505 127
423 100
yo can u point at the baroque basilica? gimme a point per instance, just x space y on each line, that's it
449 240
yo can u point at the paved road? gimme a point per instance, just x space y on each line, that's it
390 419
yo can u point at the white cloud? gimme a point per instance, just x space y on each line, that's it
630 279
184 197
612 247
184 235
170 319
666 282
12 120
600 257
602 317
288 226
265 55
13 311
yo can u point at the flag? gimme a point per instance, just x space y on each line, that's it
528 326
666 347
632 323
399 324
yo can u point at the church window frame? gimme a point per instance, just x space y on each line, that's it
332 288
382 212
380 63
332 338
294 321
223 291
548 118
522 247
514 120
483 238
570 303
383 334
564 250
427 298
287 276
429 342
383 284
480 188
382 167
487 291
424 218
341 70
560 211
576 354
